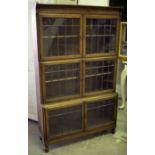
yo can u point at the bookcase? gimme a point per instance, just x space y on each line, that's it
76 68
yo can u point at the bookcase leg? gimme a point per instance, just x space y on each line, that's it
113 131
46 148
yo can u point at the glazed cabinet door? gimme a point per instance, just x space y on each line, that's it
100 113
100 35
60 36
99 75
61 80
64 121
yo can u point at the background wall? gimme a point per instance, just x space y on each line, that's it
32 102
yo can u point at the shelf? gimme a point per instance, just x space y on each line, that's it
59 25
62 114
101 25
65 70
61 36
98 67
62 79
100 35
101 106
99 74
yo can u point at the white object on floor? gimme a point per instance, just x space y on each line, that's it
123 84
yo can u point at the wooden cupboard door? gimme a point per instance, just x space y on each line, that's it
60 36
99 76
100 113
64 121
61 81
100 35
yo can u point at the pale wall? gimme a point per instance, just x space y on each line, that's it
94 2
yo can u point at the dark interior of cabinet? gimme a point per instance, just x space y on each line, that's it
100 35
62 80
100 112
65 120
61 36
99 75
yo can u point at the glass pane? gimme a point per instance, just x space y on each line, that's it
100 35
62 80
100 112
64 121
99 75
61 36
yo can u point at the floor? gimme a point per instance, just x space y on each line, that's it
100 144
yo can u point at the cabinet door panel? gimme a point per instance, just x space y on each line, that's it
60 36
100 113
100 35
62 80
99 75
64 121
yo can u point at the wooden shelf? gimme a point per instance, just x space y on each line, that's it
99 74
62 79
65 70
98 67
61 36
97 107
66 113
100 25
59 25
100 35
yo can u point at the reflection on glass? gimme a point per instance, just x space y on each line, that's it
61 36
64 121
62 80
100 112
99 75
100 35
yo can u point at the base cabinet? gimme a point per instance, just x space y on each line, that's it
76 65
80 119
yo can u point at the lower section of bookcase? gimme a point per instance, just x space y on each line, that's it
76 118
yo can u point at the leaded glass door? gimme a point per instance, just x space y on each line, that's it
60 36
100 35
64 121
99 75
61 80
100 113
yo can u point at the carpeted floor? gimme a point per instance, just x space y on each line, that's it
99 144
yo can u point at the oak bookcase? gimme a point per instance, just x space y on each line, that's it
76 70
